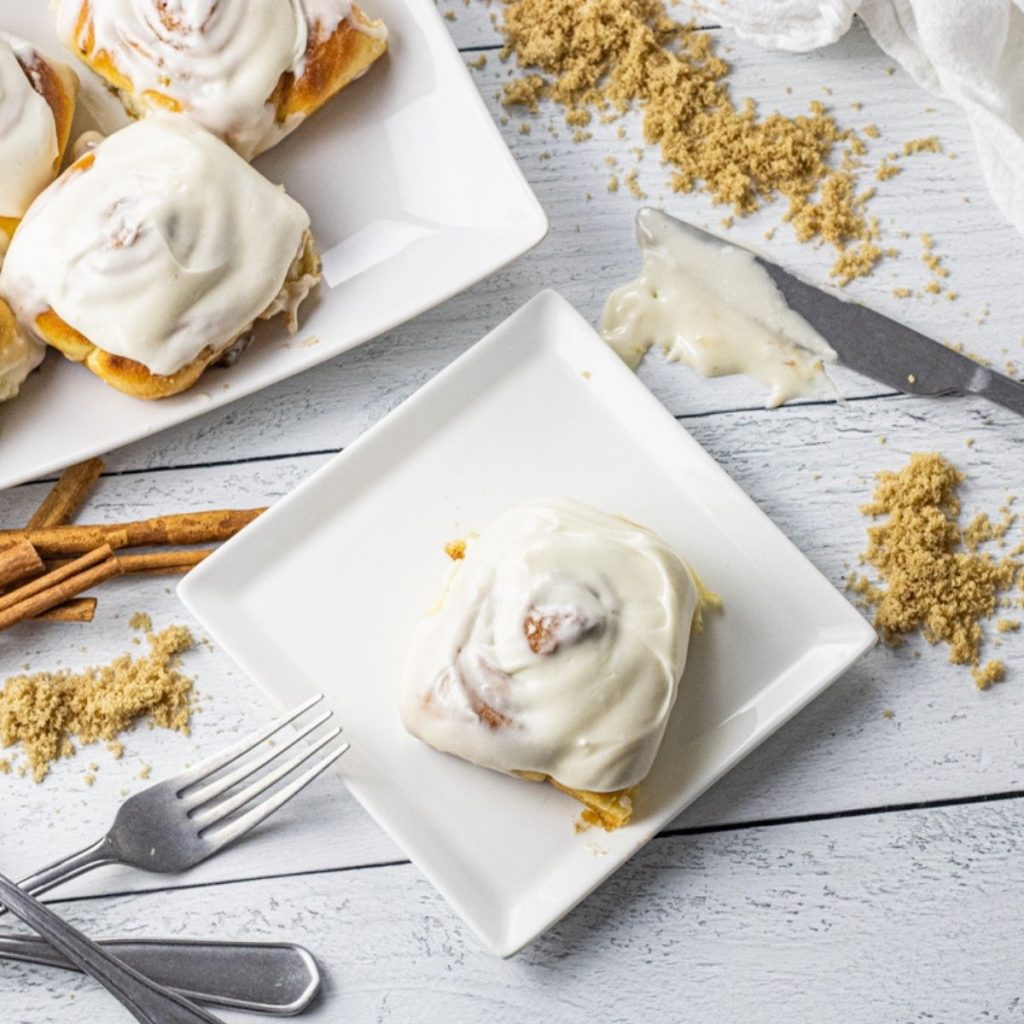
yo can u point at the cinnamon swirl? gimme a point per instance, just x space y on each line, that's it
248 70
37 104
154 253
556 652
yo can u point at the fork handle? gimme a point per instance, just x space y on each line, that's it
67 868
148 1002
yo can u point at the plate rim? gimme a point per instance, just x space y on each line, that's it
528 234
857 635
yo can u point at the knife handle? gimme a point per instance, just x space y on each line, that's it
996 388
275 978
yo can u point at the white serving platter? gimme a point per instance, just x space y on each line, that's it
322 593
413 197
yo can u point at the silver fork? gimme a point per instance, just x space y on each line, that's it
176 824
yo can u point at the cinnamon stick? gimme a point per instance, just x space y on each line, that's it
55 577
69 587
184 529
19 562
68 495
153 563
164 563
81 609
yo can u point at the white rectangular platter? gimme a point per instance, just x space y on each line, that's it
413 197
322 594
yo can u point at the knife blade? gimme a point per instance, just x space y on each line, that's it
277 978
884 349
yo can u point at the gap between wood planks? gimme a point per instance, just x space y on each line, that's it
670 833
312 452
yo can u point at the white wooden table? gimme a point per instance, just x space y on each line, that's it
859 865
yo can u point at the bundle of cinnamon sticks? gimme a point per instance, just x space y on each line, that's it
48 565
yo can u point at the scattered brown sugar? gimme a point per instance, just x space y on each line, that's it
993 671
1007 625
930 144
44 713
603 57
932 576
887 170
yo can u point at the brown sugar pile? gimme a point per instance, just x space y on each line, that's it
932 575
605 56
44 713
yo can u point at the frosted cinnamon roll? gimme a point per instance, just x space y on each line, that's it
19 354
248 70
37 105
153 254
556 652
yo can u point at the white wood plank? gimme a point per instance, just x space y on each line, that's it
589 250
809 470
895 917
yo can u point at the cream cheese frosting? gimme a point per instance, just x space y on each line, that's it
557 648
221 59
19 354
712 306
28 133
159 242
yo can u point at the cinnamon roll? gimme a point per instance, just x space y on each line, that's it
37 104
153 254
556 652
248 70
19 354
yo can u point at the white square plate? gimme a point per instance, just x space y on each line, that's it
323 591
413 197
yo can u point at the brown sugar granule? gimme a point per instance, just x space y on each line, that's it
524 92
44 713
929 577
141 622
1007 625
605 56
993 671
930 144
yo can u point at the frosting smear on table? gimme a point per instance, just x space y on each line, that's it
712 306
557 648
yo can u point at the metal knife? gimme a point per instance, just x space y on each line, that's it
275 978
883 349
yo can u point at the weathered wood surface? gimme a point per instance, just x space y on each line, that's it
901 915
891 917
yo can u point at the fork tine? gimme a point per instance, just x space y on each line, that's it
217 761
264 809
212 789
222 808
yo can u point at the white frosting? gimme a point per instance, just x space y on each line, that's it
19 355
170 242
711 305
608 608
28 133
222 59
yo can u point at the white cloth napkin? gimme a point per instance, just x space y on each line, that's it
969 51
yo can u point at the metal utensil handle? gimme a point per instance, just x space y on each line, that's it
67 868
148 1002
995 387
277 978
